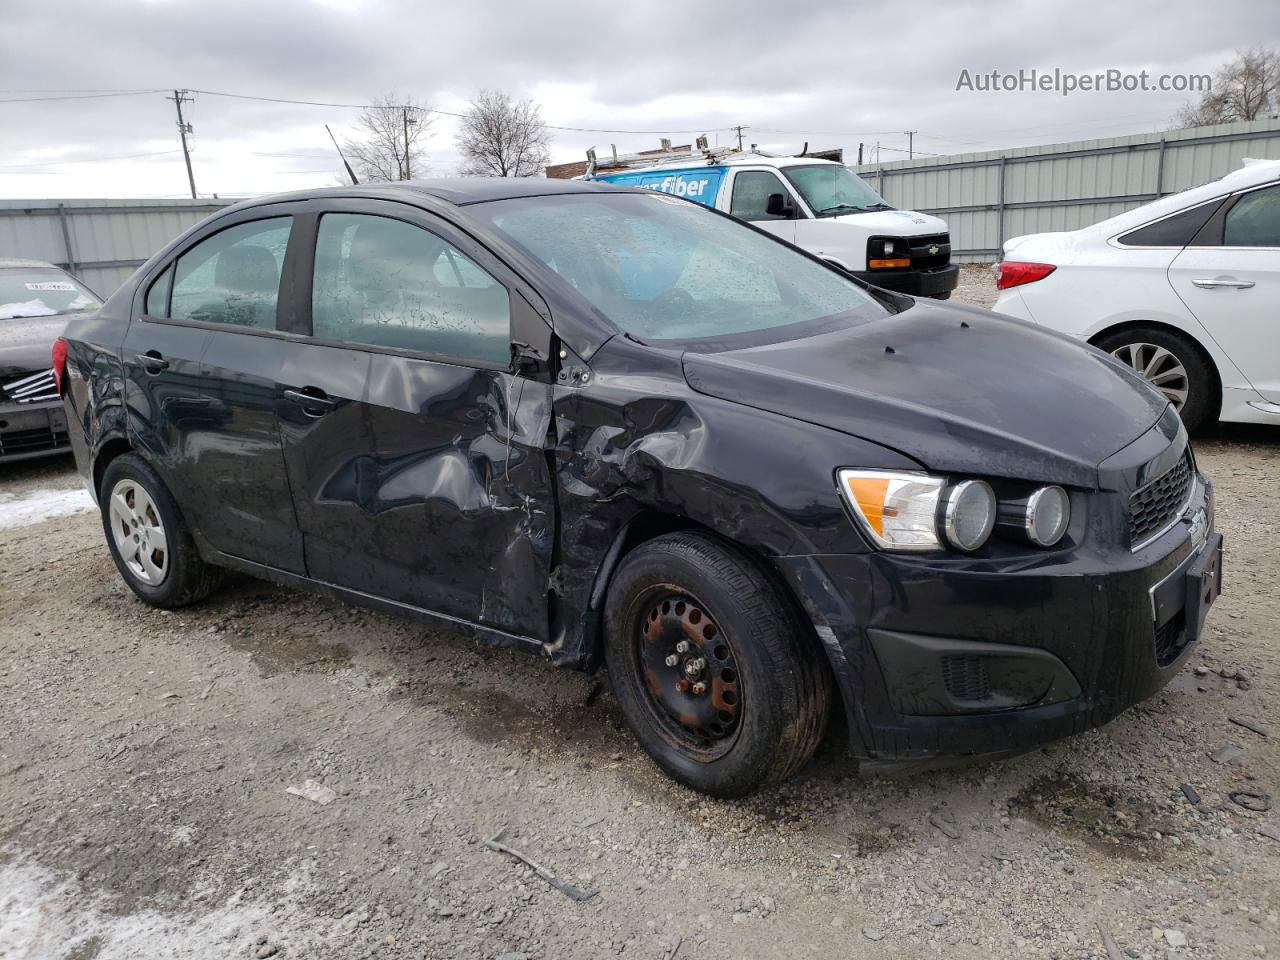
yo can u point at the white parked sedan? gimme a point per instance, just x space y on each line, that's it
1186 290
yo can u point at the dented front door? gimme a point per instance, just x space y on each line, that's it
416 458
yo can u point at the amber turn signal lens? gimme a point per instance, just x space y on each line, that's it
893 264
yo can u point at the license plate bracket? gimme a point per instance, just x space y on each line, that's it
1203 585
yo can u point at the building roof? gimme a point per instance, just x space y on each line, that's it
12 263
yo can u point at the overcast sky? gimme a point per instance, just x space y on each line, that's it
824 71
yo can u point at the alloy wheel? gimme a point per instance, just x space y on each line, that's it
138 531
1159 367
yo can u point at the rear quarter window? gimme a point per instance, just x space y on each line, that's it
1176 230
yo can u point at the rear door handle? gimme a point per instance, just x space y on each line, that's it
152 361
313 401
1206 283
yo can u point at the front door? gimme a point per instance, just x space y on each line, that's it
1234 288
418 459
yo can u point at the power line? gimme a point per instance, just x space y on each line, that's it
58 163
443 113
81 96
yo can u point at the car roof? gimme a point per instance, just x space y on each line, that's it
459 191
12 263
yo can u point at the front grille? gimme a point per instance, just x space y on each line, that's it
1155 506
965 677
32 441
35 387
1171 638
923 256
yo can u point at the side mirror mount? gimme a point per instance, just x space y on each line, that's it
779 205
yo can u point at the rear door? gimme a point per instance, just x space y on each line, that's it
1233 285
417 457
224 297
749 200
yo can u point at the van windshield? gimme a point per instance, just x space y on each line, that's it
661 268
831 189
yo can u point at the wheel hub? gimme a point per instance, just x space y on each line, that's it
690 671
138 532
1159 367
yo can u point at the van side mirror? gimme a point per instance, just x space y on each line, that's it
779 205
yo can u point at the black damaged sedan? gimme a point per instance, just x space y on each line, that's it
610 426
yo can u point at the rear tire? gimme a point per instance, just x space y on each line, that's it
148 539
1176 363
766 689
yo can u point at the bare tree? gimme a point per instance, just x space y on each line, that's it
1247 88
502 137
390 145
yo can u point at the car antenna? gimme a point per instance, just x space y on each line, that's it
351 173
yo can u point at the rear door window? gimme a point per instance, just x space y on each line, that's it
387 283
232 277
1254 221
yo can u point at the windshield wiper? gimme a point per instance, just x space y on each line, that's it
842 206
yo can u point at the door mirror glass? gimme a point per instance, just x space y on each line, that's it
387 283
778 206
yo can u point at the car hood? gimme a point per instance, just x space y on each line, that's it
26 342
960 390
898 223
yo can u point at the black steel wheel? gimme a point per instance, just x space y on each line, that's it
717 676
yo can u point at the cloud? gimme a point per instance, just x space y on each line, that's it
826 71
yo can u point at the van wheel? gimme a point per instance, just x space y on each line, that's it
148 538
711 667
1172 364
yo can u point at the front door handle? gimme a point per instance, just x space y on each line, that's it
1206 283
313 401
152 361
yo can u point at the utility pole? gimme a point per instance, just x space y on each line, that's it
910 143
179 98
859 154
739 129
404 113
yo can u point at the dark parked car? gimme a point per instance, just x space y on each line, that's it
36 298
607 425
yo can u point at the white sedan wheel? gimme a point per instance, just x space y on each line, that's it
1159 367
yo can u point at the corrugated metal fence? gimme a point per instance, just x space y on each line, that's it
987 198
101 241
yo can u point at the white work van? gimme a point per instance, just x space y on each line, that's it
819 205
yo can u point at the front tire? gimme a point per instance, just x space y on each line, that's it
148 538
1172 364
712 667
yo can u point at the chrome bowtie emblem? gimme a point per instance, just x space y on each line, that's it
933 250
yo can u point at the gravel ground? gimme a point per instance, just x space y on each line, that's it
147 757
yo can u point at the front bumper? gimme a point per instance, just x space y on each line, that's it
32 430
952 656
938 282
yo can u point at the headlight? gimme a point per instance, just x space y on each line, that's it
1041 518
968 514
898 511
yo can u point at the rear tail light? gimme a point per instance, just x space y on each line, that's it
1015 274
60 365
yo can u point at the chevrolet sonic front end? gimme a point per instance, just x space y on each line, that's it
614 427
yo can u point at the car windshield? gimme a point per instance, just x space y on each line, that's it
831 189
661 268
41 292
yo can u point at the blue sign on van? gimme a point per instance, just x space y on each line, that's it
700 184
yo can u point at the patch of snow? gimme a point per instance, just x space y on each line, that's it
24 509
26 308
44 915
